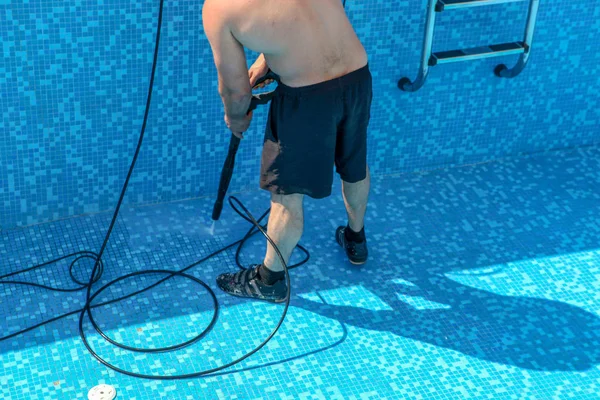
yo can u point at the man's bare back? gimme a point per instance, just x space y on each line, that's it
304 41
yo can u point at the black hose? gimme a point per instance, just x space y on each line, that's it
99 267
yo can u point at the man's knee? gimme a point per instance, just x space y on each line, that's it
366 179
289 201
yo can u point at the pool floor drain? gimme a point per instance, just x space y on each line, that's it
102 392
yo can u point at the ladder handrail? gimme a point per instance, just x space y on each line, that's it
405 83
501 70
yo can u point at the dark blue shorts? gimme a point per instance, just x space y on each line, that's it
312 128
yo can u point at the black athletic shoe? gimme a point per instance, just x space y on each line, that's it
357 252
247 283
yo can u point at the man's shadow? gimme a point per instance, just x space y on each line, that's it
530 333
490 216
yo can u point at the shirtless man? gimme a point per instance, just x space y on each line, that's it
317 119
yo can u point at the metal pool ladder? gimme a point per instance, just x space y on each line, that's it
430 59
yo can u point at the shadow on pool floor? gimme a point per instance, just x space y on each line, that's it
515 214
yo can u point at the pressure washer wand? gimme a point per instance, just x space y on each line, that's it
226 174
234 144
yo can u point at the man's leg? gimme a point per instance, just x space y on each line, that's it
266 281
356 196
352 237
286 223
351 163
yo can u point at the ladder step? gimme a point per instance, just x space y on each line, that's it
494 50
454 4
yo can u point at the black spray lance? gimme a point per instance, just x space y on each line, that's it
234 143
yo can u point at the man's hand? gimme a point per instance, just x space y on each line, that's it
258 70
238 125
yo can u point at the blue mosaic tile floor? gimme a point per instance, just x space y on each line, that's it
483 282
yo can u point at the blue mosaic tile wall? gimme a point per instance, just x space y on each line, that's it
74 76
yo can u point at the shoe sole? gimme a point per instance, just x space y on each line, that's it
252 298
357 262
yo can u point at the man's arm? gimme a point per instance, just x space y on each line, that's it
230 60
258 70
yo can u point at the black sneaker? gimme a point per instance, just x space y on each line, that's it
247 283
357 252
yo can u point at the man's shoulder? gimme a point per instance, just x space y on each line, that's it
224 9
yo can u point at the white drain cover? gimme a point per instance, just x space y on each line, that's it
102 392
